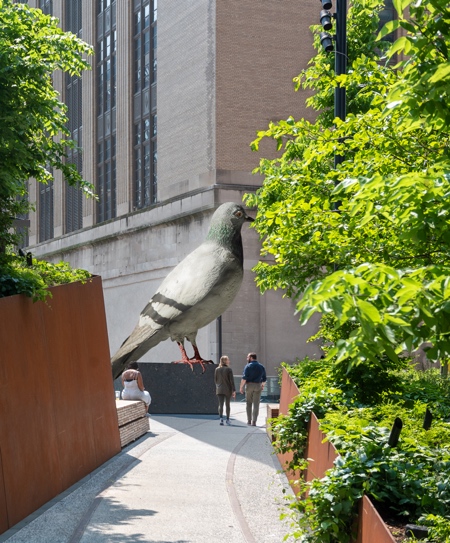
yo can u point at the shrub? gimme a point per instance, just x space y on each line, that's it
33 279
410 481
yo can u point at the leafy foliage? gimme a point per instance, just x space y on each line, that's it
410 481
33 133
380 264
17 277
316 394
439 527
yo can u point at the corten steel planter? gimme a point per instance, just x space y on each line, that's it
371 528
58 418
288 393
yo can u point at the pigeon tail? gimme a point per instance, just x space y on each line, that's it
133 349
119 363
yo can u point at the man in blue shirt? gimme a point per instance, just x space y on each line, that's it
254 379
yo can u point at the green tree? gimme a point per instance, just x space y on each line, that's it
33 133
381 262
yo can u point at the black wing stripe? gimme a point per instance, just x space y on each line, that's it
149 310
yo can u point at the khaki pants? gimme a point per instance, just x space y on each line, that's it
252 397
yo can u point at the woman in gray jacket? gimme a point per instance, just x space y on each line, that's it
225 388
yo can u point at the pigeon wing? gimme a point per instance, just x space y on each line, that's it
188 284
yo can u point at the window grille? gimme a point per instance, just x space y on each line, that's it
46 6
106 109
73 98
145 158
46 230
387 14
46 202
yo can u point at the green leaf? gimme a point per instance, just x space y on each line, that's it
442 72
400 6
401 45
369 311
390 26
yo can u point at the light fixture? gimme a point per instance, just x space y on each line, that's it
327 41
326 19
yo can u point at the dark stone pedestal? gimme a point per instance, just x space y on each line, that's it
176 389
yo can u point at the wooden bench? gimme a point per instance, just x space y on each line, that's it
273 410
133 420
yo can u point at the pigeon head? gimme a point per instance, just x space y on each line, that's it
227 221
226 225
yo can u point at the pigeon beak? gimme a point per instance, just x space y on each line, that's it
249 219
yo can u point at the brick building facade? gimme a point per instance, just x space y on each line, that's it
165 119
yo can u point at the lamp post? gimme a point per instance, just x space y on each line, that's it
340 52
340 61
340 64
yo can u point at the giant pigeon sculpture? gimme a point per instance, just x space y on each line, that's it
198 290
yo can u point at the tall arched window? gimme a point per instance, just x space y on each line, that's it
388 14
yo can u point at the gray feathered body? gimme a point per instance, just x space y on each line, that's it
199 289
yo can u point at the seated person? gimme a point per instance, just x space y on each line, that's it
133 385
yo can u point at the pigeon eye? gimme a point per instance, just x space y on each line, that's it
238 214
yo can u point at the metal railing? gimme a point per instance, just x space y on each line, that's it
271 392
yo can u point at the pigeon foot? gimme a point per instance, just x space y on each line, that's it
196 359
192 361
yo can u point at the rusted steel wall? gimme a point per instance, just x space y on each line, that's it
58 418
4 525
288 393
321 453
371 528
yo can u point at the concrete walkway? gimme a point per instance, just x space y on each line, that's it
189 480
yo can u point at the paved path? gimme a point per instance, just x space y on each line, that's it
189 480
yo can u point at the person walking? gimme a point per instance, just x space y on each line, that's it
225 388
133 385
254 379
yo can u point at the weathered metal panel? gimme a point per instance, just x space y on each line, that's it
288 393
57 404
321 453
371 528
4 524
28 439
